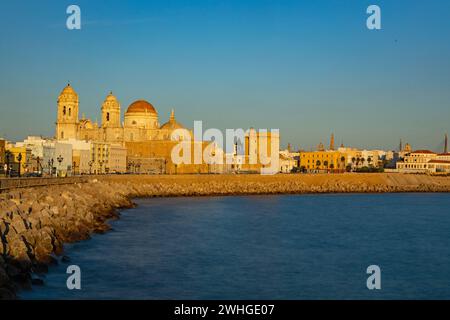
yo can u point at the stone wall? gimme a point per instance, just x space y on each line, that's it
12 183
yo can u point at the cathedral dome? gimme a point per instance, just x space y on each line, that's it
141 106
111 102
68 92
172 124
110 97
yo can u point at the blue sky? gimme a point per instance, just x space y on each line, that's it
308 68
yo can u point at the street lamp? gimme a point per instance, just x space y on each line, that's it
90 163
19 159
101 162
7 166
59 159
132 167
50 166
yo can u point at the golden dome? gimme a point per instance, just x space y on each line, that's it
111 97
141 106
172 124
68 90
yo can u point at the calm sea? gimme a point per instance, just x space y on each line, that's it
265 247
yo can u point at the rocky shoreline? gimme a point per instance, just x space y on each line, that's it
36 222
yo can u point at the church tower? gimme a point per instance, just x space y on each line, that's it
446 144
111 112
332 142
67 118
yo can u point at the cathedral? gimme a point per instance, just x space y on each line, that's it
140 123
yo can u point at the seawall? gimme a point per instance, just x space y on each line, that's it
35 222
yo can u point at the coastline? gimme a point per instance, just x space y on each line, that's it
36 222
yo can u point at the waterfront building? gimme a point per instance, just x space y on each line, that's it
261 151
405 151
353 156
323 161
19 156
35 144
81 155
117 162
289 161
441 163
372 158
439 166
416 162
57 158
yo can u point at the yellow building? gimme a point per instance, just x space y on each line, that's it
262 150
323 161
19 153
155 157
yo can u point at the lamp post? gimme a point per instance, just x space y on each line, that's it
100 163
38 162
7 166
19 159
90 163
132 167
50 166
59 159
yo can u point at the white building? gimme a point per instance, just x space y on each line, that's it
57 158
416 162
288 161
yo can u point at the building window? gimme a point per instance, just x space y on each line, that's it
107 116
62 134
70 112
64 110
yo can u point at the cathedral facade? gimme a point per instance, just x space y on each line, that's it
141 123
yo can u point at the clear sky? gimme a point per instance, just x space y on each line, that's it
308 68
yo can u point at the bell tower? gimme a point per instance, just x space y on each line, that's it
111 112
67 117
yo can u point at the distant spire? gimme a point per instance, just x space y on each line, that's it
172 115
401 145
446 144
332 142
320 147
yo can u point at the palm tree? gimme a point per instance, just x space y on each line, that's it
343 162
318 164
8 158
362 161
369 160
